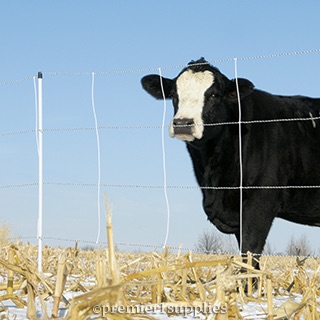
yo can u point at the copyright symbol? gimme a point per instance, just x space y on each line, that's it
96 309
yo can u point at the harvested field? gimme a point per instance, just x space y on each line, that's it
79 284
103 284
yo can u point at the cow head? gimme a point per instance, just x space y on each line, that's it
200 94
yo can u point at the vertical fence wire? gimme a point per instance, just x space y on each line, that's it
98 156
164 159
39 135
240 156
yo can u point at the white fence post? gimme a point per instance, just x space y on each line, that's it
40 157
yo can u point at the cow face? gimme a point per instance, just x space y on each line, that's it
198 94
189 102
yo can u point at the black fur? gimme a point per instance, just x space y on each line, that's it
274 154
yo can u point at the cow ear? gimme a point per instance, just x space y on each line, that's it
152 85
246 87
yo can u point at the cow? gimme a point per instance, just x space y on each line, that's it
280 151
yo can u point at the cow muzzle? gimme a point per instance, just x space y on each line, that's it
183 128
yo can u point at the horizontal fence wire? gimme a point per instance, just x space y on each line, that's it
142 186
19 185
156 69
142 70
155 247
17 81
137 127
116 127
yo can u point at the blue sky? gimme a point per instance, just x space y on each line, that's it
102 36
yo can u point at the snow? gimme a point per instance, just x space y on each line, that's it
251 310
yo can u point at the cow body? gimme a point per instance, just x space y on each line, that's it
283 153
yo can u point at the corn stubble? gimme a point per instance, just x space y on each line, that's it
109 284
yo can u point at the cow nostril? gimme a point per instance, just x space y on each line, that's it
189 122
176 122
184 122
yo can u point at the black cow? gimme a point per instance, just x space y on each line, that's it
283 153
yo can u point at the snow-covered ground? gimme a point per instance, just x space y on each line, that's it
85 273
250 310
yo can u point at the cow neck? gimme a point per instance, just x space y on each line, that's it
222 147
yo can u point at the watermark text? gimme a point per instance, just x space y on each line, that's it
162 308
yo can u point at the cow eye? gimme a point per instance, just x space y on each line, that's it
212 96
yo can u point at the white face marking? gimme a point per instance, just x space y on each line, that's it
191 87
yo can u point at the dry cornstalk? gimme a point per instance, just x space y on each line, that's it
31 307
184 282
60 283
10 272
20 303
159 288
269 297
175 267
100 299
114 270
97 302
198 283
166 274
249 283
221 298
101 270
